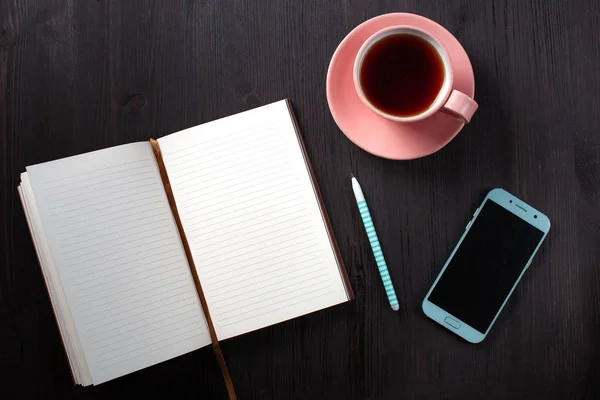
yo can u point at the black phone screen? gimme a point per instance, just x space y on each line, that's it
486 266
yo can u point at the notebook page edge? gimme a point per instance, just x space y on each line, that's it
60 307
329 228
206 124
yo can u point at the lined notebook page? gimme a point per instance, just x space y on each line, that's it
120 259
252 219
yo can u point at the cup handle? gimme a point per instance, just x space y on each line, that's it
460 106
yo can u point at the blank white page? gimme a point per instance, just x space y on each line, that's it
119 258
252 219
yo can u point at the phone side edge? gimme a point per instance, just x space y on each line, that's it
438 314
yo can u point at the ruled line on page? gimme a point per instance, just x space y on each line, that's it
245 247
132 238
140 316
135 349
107 212
293 281
130 273
193 149
277 300
148 287
210 173
116 302
118 332
114 217
231 184
287 305
243 197
216 172
215 143
100 171
101 258
171 343
68 194
125 197
155 277
230 214
193 205
132 305
109 355
147 173
131 258
160 295
262 265
105 196
116 267
98 334
120 247
265 240
287 271
100 278
123 232
172 300
137 304
151 215
246 231
149 334
233 218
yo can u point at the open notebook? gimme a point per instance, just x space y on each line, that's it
114 262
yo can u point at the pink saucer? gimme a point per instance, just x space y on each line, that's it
377 135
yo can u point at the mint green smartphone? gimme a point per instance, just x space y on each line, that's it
486 265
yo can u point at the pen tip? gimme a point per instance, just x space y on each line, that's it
351 175
395 308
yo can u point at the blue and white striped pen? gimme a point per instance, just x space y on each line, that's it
375 246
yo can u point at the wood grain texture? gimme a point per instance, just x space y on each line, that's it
77 76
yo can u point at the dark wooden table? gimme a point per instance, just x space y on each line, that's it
77 76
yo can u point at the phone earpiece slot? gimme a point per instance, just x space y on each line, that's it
521 207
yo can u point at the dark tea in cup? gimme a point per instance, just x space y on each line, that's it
402 74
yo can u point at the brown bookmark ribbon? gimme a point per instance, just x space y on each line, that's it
188 253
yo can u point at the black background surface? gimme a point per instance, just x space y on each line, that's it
77 76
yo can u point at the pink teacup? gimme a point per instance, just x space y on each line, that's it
447 100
